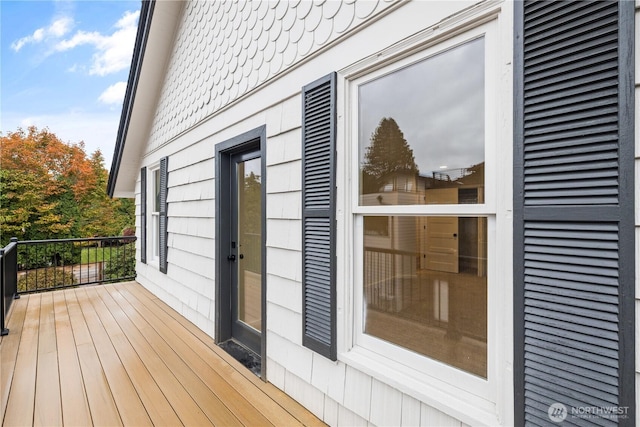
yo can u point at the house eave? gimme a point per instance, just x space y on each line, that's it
156 30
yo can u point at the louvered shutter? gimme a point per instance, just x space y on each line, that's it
318 216
164 180
573 210
143 215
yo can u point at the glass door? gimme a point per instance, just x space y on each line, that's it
246 249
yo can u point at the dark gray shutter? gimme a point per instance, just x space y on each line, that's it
573 211
164 181
318 216
143 215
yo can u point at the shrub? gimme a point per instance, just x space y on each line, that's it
45 278
122 263
48 255
129 231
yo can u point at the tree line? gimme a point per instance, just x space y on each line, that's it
50 189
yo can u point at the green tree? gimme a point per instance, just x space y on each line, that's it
50 189
102 216
386 157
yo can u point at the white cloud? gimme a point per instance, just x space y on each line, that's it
112 52
78 39
114 94
130 19
58 28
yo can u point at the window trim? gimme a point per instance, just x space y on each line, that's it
143 215
485 400
153 222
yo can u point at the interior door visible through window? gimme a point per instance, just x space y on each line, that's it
245 252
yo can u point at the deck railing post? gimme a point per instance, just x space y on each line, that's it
8 279
13 274
3 329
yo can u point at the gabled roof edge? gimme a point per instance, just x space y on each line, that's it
144 24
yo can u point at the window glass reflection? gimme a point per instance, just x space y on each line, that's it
425 286
156 187
421 131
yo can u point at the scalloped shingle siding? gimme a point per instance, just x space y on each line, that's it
224 49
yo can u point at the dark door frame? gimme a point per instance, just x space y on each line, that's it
253 140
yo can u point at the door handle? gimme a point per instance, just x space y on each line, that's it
231 257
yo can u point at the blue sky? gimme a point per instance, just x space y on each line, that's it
64 65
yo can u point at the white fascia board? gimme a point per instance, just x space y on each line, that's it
157 51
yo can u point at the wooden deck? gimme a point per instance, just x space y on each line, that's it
116 355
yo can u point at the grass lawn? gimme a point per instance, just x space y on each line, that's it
90 255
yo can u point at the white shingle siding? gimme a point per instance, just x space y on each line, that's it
284 206
285 147
188 285
329 377
309 396
223 50
284 263
410 411
284 233
284 292
386 405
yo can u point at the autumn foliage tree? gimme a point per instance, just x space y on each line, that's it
50 189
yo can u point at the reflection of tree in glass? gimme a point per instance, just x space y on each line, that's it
252 203
388 156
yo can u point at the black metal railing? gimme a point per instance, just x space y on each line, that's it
53 264
8 280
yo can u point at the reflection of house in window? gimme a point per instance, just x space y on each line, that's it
454 186
447 243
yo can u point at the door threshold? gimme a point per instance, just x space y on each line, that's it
242 354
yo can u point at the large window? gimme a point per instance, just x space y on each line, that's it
421 152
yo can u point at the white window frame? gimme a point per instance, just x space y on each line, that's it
452 390
153 224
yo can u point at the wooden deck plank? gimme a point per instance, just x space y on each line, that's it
75 408
48 407
101 402
232 367
235 401
23 388
79 328
9 350
183 404
210 404
116 355
130 407
243 380
156 404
